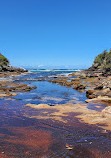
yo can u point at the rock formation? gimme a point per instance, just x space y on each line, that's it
5 66
102 64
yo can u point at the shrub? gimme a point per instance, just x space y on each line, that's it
3 60
103 60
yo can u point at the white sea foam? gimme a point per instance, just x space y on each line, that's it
64 74
57 70
5 79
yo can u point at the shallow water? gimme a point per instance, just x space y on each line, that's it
22 136
50 93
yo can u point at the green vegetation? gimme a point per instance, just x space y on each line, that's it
103 61
3 60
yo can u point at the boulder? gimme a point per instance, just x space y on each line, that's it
109 94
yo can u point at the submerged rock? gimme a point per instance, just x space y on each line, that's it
6 87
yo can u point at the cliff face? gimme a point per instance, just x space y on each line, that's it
102 63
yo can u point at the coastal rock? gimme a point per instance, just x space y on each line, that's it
9 86
3 95
75 83
76 79
79 86
99 87
102 64
100 99
107 110
79 74
89 94
109 94
12 69
7 94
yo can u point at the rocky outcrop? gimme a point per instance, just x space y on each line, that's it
8 88
11 69
97 79
94 85
74 83
101 65
101 88
5 66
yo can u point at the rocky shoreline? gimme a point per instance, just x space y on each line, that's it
9 87
10 70
95 84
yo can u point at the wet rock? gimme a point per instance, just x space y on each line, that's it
41 79
7 94
3 95
89 94
7 86
75 83
98 92
107 110
12 69
76 79
13 94
100 86
51 105
109 94
79 86
90 91
100 99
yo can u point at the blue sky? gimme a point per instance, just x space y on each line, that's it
66 33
